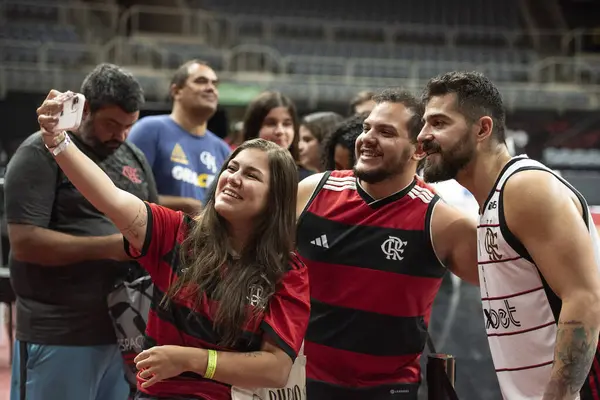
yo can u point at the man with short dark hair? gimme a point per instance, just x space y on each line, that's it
539 252
185 156
61 263
377 242
362 103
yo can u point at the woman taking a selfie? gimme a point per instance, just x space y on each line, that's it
231 301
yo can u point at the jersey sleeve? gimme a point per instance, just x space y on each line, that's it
289 310
163 235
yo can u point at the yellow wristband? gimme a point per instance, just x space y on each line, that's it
211 367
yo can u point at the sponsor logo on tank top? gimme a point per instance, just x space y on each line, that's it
503 316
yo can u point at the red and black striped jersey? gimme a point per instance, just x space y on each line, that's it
182 323
373 278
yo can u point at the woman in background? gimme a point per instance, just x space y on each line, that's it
272 116
231 302
313 129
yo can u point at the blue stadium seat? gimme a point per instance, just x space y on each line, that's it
483 13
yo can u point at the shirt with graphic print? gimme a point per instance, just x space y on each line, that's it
67 305
184 165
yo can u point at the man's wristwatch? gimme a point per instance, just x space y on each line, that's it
60 146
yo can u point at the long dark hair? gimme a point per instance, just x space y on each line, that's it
208 267
260 107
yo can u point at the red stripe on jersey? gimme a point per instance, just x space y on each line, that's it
163 332
349 208
287 313
338 366
399 287
175 388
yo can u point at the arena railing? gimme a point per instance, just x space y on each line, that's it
53 53
103 17
243 59
227 30
154 52
310 90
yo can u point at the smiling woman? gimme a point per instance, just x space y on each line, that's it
272 116
314 128
231 299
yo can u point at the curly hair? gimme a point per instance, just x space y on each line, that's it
344 134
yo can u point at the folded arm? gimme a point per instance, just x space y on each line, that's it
551 227
29 188
50 248
269 367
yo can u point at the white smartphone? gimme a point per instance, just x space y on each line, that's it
72 113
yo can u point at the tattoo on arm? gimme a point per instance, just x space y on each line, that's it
140 221
252 354
573 357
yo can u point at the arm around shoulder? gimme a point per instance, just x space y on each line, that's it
306 188
454 238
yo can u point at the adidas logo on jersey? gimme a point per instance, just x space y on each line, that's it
178 155
321 241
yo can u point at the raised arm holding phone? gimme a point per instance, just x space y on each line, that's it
231 307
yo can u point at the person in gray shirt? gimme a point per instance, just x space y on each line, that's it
61 261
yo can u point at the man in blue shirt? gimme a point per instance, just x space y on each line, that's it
185 156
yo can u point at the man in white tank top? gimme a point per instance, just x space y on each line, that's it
538 249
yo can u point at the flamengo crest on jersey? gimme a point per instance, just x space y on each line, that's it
519 320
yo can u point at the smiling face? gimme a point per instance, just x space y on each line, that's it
200 90
278 127
383 149
448 139
243 187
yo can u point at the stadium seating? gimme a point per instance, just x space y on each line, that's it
483 13
313 49
29 24
405 34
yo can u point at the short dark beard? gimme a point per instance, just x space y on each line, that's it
88 137
372 177
381 174
451 163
